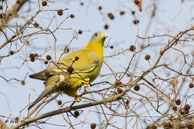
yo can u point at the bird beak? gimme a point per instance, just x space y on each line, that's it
106 35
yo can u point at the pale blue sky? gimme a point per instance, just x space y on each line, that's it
172 16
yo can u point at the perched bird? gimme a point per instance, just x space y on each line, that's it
73 70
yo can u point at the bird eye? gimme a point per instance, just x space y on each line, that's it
96 34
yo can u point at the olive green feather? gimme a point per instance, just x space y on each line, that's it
68 74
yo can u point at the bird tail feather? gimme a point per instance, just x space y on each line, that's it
40 75
42 95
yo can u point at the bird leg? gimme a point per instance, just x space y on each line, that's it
78 99
86 82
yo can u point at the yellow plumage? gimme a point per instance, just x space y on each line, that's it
73 70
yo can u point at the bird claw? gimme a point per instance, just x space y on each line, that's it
86 82
78 99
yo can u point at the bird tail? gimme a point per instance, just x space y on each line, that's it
42 95
43 75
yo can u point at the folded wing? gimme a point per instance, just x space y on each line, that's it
81 62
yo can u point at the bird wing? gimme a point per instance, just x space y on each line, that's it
87 61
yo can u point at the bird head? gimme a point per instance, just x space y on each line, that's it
98 37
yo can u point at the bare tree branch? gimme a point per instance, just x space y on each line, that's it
11 13
3 125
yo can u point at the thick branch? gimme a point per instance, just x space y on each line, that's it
3 125
68 109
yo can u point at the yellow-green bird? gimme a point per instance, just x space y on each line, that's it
73 70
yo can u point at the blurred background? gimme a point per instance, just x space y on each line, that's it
138 31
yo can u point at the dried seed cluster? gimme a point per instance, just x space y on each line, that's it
33 56
93 125
132 48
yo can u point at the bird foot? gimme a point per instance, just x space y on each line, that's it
86 82
78 99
